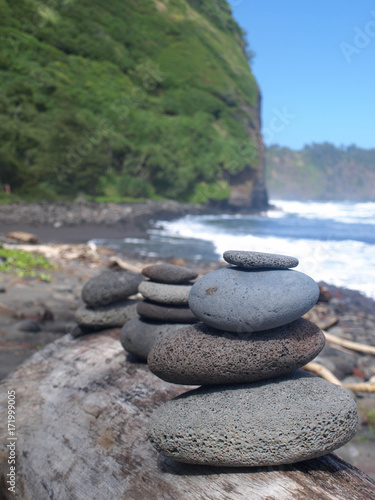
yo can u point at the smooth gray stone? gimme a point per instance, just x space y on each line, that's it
201 355
138 336
169 273
165 313
165 294
277 421
28 325
114 315
258 260
110 287
244 300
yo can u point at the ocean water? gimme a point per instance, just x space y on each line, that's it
334 242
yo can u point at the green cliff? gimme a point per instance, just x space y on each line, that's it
128 98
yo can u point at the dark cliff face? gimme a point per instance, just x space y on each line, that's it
248 187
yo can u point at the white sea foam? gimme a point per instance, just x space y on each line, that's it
348 263
345 212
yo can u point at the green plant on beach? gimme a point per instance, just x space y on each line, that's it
24 263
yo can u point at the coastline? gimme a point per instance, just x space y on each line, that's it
70 222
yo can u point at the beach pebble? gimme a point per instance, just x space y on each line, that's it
169 273
77 331
165 294
200 354
277 421
139 335
28 325
114 315
244 300
110 287
22 237
165 313
259 260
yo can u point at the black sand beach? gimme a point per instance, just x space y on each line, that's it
51 305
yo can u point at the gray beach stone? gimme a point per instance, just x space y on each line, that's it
138 335
165 313
110 287
169 273
244 300
28 325
259 260
200 354
165 294
277 421
114 315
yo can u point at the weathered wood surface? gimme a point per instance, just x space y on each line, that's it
82 409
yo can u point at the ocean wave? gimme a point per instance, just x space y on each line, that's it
344 212
348 263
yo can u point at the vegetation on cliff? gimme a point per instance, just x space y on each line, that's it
321 172
135 98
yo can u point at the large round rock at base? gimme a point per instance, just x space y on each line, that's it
200 354
138 335
109 287
244 300
278 421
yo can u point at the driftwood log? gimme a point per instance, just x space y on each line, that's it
81 411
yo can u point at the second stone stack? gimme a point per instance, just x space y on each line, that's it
165 309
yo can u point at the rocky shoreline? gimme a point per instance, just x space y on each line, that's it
79 222
347 314
64 213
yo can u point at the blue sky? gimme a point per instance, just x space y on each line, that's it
315 65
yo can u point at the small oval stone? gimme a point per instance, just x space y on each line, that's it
258 260
244 300
159 312
111 316
110 287
276 421
165 294
200 354
138 335
169 273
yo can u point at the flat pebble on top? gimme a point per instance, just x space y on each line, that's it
253 260
169 273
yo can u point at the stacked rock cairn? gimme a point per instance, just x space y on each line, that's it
106 301
256 407
165 309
